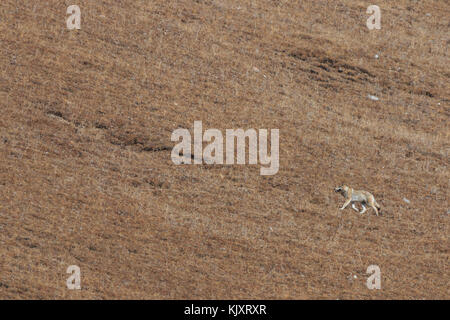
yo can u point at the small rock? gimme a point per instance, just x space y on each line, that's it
406 200
374 98
377 56
255 69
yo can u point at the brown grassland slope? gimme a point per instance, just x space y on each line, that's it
86 176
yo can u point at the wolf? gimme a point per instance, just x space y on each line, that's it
361 196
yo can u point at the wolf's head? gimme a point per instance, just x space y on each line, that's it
341 189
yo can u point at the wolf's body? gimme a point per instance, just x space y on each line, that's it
358 196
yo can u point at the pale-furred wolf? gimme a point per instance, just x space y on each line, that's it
361 196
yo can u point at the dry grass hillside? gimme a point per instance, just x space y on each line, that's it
86 176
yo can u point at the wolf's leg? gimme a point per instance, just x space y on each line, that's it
364 209
346 204
372 204
374 208
354 207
